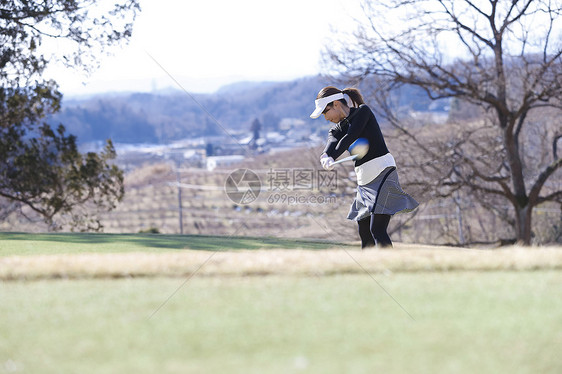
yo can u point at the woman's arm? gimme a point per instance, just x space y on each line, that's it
334 136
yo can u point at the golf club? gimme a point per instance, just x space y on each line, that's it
350 158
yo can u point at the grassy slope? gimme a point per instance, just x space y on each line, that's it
43 256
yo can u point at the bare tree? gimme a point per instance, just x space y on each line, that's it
501 57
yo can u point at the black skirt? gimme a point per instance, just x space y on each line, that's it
383 195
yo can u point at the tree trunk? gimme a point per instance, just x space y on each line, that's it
523 206
523 216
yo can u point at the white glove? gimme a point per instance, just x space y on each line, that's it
327 162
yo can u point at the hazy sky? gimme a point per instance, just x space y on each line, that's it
208 43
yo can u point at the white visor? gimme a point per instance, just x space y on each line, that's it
321 104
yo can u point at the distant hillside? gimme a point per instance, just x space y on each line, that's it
164 117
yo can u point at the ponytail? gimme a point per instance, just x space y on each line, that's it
353 93
355 96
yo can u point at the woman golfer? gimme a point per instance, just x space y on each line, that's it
379 195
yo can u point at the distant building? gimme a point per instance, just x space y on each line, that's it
287 124
274 137
220 161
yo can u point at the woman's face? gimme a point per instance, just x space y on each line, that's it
334 112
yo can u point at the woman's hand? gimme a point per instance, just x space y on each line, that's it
327 162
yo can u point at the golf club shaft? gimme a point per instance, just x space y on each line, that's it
350 158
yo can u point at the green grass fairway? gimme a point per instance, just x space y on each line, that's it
97 303
63 243
464 322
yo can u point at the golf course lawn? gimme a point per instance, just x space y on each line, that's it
426 322
75 243
101 303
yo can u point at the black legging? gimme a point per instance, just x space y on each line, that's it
373 231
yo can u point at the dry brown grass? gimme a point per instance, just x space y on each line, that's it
403 258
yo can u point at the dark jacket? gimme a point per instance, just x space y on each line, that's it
361 123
